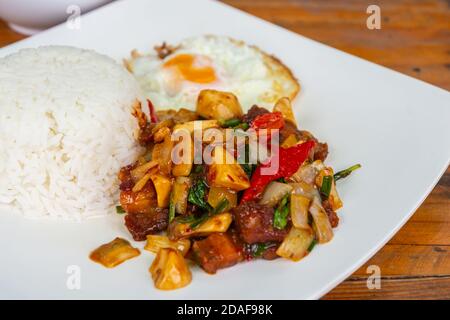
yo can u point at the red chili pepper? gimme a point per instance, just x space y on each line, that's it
271 120
265 123
290 159
151 108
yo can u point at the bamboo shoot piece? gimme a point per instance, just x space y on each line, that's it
169 270
218 105
140 171
162 154
142 182
163 186
217 194
180 194
226 172
157 242
184 167
217 223
114 253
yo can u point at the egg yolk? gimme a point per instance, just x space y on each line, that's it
185 65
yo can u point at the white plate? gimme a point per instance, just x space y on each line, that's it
397 127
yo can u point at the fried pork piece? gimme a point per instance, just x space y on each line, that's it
254 222
248 250
270 253
126 181
155 133
252 113
332 216
217 251
266 251
145 137
142 201
320 150
144 223
114 253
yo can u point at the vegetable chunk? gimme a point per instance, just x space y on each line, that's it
163 186
114 253
205 189
169 270
157 242
217 223
295 245
227 174
180 193
284 106
218 105
218 194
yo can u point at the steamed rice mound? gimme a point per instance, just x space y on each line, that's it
65 131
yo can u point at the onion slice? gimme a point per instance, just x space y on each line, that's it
295 245
322 226
274 192
299 210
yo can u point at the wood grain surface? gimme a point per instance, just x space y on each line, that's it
414 39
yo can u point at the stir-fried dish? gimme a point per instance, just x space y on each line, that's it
217 213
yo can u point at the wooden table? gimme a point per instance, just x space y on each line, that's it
414 39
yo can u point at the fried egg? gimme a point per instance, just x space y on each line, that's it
172 77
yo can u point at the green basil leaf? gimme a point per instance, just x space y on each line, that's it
120 210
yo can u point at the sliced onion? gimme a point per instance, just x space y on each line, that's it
303 189
274 192
141 183
299 210
180 193
306 173
318 165
295 245
140 171
322 226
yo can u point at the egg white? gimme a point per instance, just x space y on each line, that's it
253 76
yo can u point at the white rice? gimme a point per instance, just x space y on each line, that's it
65 130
